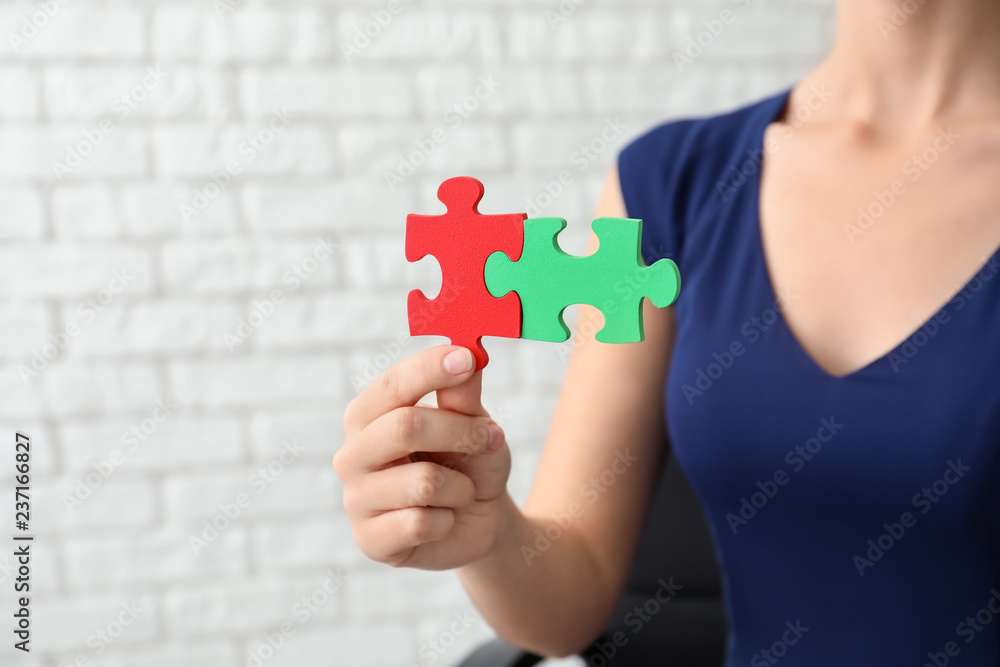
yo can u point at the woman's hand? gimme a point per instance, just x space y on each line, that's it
424 487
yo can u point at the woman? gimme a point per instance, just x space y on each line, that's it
828 375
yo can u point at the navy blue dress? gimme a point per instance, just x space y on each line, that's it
856 517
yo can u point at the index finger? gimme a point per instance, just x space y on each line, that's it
409 381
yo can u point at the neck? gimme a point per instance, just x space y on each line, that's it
939 60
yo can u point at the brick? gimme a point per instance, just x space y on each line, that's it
98 211
77 31
251 606
589 34
376 150
22 213
152 327
258 265
75 389
20 399
322 429
21 94
429 33
86 211
199 152
322 92
72 270
352 317
555 191
254 381
249 33
343 206
124 94
578 147
306 543
789 33
401 592
662 90
154 209
23 328
64 506
186 652
177 443
33 151
73 625
374 261
461 95
281 489
163 556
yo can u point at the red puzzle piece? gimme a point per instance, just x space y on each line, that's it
461 240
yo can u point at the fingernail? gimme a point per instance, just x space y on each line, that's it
496 438
458 362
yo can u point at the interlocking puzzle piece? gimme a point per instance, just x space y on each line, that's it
461 240
613 279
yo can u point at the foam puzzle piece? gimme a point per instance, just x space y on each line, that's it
613 279
461 240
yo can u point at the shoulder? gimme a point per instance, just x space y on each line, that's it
672 172
690 155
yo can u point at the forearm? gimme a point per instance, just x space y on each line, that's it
542 594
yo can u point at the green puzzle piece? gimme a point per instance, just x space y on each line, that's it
613 280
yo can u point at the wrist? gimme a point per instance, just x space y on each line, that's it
508 536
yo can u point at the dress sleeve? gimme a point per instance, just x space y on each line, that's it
651 173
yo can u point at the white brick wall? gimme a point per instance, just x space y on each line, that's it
313 180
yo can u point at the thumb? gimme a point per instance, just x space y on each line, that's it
465 398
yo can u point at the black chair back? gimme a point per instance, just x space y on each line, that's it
671 611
